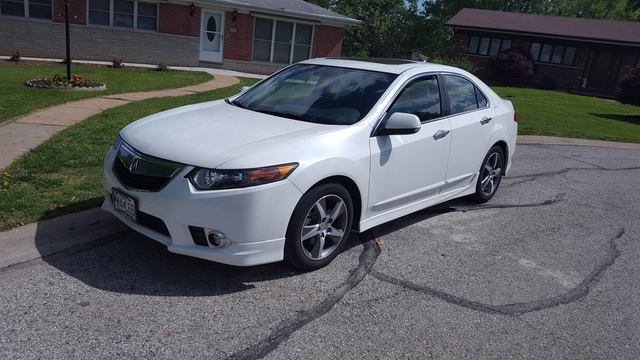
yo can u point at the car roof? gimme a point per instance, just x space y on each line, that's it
392 66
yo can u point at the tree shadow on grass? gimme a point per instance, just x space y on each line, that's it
631 119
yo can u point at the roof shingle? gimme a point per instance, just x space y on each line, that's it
579 28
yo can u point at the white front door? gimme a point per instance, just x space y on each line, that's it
211 36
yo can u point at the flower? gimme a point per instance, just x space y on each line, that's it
4 180
62 81
16 55
117 62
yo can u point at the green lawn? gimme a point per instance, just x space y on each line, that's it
559 114
17 99
64 174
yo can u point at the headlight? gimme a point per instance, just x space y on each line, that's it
214 179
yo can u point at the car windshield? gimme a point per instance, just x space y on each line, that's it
318 94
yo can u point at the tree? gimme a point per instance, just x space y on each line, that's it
594 9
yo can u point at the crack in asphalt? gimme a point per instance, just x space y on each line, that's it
366 261
572 295
288 327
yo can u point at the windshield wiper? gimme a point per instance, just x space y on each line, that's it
284 115
234 103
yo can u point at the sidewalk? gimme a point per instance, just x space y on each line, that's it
21 135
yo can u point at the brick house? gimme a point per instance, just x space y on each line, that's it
576 54
246 35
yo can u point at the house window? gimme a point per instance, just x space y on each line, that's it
488 46
281 42
123 13
553 54
35 9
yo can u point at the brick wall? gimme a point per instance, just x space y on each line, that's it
327 41
177 20
564 76
45 39
238 37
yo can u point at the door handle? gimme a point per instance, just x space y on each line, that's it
440 134
485 120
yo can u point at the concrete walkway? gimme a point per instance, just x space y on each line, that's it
19 136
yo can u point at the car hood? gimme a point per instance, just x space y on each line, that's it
211 134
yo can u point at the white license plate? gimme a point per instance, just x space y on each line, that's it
124 204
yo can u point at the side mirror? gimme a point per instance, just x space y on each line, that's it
400 124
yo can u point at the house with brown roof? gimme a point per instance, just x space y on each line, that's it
258 36
576 54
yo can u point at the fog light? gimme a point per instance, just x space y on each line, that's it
217 239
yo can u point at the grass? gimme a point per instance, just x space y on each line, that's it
17 99
559 114
64 175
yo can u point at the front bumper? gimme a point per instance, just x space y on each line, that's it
254 219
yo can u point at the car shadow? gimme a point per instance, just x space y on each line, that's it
405 221
121 260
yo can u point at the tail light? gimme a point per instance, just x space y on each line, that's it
515 117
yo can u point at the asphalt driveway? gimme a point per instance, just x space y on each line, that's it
547 270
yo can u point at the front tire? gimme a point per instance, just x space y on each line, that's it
490 175
319 227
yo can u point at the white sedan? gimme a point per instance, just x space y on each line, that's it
289 167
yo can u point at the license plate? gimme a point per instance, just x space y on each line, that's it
124 204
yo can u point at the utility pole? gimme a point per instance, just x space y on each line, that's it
66 15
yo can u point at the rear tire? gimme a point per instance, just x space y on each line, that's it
490 175
319 227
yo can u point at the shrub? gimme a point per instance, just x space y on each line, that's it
630 92
117 63
162 67
16 55
512 67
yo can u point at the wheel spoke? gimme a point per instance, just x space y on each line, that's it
309 231
338 210
336 233
486 182
321 207
318 246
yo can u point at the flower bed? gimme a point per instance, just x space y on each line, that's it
77 83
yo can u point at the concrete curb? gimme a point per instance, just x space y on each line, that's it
550 140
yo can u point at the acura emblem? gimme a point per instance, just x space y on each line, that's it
134 165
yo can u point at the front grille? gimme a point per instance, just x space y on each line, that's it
140 182
142 172
198 235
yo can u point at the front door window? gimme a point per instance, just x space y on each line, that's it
211 37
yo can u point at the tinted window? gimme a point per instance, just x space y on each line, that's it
421 98
464 95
